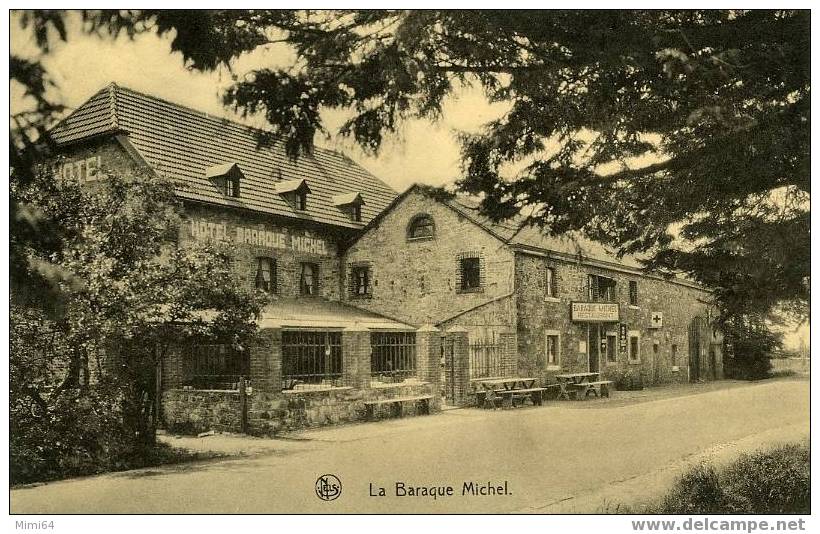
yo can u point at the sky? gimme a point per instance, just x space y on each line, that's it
421 152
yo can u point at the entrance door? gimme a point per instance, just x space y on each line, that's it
594 347
656 364
694 349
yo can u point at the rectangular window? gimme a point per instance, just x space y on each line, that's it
301 201
217 366
551 283
633 292
601 288
360 281
229 186
674 354
311 358
266 274
309 279
553 349
356 212
634 347
612 347
393 356
470 273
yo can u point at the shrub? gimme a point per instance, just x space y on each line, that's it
775 481
628 380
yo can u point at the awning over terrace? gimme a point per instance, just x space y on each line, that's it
318 313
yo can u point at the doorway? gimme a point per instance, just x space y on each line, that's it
695 329
594 347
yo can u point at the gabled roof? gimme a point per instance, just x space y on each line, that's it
221 170
181 143
528 238
289 186
570 244
346 199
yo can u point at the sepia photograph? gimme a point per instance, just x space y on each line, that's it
548 263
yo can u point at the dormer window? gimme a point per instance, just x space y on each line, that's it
226 178
350 203
295 192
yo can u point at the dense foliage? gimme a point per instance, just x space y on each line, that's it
750 345
775 481
680 135
83 377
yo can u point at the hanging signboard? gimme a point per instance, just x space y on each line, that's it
622 337
656 319
595 312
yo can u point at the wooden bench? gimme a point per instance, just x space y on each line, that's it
510 396
422 403
599 387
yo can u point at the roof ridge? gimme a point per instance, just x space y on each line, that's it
65 119
112 99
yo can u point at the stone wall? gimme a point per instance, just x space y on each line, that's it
194 411
90 161
539 314
289 241
415 280
270 413
270 238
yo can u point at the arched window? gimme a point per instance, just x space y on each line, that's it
420 227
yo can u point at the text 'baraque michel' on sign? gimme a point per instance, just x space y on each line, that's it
203 231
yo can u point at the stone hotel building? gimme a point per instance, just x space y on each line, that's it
373 294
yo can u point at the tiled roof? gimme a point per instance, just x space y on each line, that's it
182 143
571 244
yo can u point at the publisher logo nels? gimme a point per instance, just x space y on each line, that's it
328 487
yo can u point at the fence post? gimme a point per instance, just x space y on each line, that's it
243 405
460 385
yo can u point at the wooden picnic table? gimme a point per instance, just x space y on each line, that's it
576 384
508 388
577 378
508 383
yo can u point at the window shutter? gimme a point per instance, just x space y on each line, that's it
593 287
351 281
459 274
482 274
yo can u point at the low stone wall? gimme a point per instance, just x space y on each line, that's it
269 413
194 411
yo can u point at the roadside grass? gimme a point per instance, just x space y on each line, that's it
160 454
773 481
785 373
